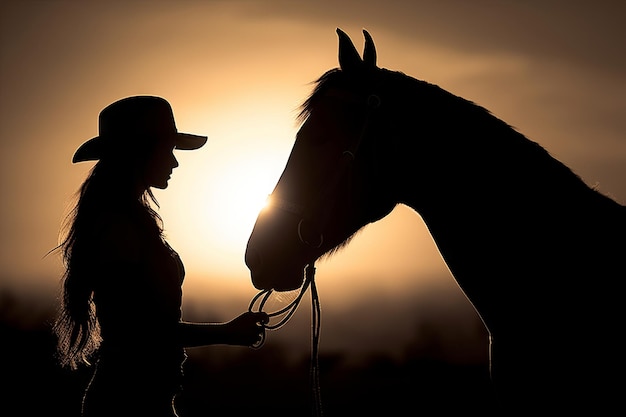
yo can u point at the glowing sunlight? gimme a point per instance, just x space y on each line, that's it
242 194
224 185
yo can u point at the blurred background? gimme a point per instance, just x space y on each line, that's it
396 330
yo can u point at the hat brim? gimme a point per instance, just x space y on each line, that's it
93 149
89 151
187 141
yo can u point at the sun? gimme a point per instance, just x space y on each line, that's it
238 199
213 202
218 191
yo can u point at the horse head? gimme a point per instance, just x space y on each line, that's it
333 183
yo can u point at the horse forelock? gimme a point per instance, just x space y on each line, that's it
321 85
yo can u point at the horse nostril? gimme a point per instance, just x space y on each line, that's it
253 259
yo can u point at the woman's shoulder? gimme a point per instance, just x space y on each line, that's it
124 237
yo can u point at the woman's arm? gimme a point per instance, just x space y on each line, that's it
244 330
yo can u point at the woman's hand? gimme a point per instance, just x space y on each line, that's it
247 329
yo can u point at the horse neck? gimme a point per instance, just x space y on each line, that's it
479 165
504 206
471 159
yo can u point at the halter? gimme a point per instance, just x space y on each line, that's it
372 102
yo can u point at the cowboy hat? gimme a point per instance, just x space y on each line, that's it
131 122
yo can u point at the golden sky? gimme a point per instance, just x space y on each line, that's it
237 71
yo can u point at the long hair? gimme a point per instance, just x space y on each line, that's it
110 185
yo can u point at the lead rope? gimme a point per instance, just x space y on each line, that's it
316 315
287 312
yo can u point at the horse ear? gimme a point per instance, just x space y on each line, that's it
369 52
349 59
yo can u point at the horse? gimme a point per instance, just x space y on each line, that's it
538 253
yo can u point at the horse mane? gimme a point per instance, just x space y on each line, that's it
503 135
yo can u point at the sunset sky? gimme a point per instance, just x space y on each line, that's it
237 71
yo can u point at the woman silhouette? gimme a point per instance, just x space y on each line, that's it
122 284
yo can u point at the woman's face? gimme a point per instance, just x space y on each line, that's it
160 164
